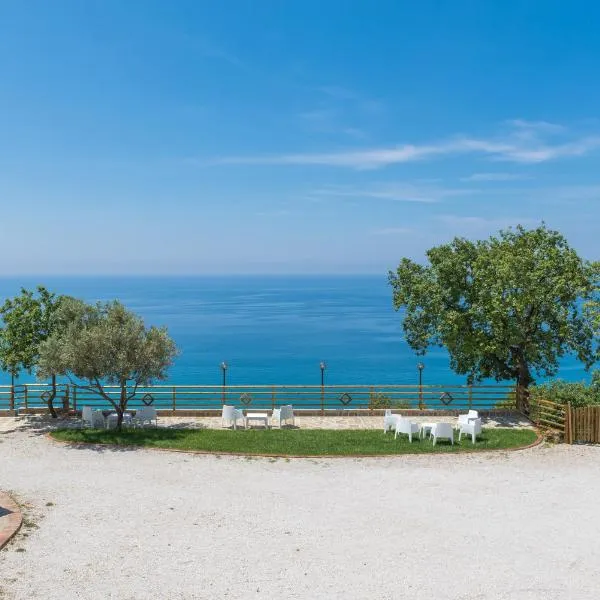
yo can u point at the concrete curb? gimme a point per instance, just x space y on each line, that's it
535 443
11 522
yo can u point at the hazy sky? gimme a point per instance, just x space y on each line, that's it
300 136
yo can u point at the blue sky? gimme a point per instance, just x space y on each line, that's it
290 137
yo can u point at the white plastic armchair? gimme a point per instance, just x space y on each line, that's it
389 420
92 418
283 415
231 415
87 416
405 426
145 416
470 416
472 428
442 431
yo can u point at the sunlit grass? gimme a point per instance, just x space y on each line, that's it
295 442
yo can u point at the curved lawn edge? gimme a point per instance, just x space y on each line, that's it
79 444
11 522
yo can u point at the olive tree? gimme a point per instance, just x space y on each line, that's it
27 321
504 308
106 345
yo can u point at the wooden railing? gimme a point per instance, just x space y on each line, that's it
549 415
309 397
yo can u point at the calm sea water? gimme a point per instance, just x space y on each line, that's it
271 330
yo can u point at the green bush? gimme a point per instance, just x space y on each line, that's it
377 400
560 391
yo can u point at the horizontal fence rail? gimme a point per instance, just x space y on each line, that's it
309 397
549 415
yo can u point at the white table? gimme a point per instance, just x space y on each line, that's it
115 417
256 416
426 428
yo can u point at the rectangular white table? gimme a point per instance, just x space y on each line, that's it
256 416
426 428
114 417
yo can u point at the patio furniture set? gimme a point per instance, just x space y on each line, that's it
469 424
97 419
280 416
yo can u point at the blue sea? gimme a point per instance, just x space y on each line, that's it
271 329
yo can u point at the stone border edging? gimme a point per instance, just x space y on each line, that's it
536 442
11 523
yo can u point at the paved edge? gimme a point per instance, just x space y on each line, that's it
11 523
536 442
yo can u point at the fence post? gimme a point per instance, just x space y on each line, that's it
569 424
470 397
26 407
322 399
11 405
75 398
174 398
66 404
273 398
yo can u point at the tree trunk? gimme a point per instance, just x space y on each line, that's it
51 398
122 406
524 380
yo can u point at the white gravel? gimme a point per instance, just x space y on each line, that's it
142 524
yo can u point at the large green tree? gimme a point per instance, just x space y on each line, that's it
504 308
106 345
27 321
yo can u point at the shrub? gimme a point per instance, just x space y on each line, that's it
560 391
377 400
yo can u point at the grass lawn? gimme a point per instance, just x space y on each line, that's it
296 442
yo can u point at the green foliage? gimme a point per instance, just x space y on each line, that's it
294 442
105 344
577 393
27 320
502 307
378 400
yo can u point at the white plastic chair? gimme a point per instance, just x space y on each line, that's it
389 420
442 431
87 416
145 415
231 415
473 428
283 414
470 416
405 426
92 418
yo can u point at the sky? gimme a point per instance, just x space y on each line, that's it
148 137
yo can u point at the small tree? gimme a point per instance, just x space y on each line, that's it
502 307
28 320
105 344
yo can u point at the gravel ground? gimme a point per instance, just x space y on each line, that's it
142 524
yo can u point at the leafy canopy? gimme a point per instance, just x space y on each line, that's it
502 307
105 344
28 320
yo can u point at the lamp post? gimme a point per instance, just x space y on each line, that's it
420 366
323 366
224 369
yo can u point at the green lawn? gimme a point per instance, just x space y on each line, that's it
296 442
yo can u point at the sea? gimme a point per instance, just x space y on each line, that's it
273 330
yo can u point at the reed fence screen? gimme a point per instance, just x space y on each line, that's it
326 398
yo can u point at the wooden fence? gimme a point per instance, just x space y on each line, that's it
576 425
32 397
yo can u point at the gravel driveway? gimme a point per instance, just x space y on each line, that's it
142 524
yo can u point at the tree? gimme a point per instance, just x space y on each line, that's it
28 320
105 344
504 307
